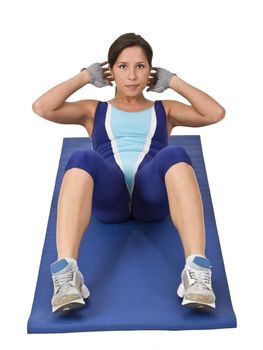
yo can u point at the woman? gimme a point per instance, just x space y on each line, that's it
130 158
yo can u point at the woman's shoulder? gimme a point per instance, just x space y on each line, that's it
166 106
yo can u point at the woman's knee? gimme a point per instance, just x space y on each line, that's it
176 153
171 155
84 159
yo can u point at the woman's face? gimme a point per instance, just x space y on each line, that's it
131 71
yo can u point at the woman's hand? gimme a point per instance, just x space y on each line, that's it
100 77
107 74
152 79
159 81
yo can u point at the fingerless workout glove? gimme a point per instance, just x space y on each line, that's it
96 73
163 80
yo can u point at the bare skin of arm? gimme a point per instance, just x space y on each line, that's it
52 104
204 110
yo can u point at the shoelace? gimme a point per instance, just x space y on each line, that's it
62 278
200 276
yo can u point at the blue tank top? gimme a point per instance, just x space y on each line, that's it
129 139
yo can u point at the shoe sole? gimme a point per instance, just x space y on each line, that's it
193 304
198 305
75 303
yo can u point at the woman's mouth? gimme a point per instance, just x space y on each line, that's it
132 87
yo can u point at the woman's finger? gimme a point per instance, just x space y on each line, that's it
108 76
104 62
152 79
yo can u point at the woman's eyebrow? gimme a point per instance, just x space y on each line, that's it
128 62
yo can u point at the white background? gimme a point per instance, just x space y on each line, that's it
213 45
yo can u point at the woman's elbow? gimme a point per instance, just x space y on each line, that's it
220 115
37 109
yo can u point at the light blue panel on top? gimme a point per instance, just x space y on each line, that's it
130 130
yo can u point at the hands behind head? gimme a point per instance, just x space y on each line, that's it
161 80
106 73
153 77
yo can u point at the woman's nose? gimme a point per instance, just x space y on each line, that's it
131 74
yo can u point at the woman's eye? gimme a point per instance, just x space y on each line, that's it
123 65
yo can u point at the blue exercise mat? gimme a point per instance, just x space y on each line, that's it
132 269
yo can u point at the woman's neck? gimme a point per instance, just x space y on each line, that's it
129 100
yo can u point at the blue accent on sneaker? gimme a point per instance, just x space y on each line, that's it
203 262
58 266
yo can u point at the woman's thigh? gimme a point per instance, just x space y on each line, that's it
110 201
149 199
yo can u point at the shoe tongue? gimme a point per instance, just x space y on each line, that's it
201 262
60 265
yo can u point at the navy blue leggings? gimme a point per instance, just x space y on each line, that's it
110 199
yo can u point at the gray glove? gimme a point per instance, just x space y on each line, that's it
162 80
97 77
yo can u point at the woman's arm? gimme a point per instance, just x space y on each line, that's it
52 106
204 110
56 96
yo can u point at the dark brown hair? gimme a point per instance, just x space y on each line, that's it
128 40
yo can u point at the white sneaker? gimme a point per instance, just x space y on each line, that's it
196 286
69 288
